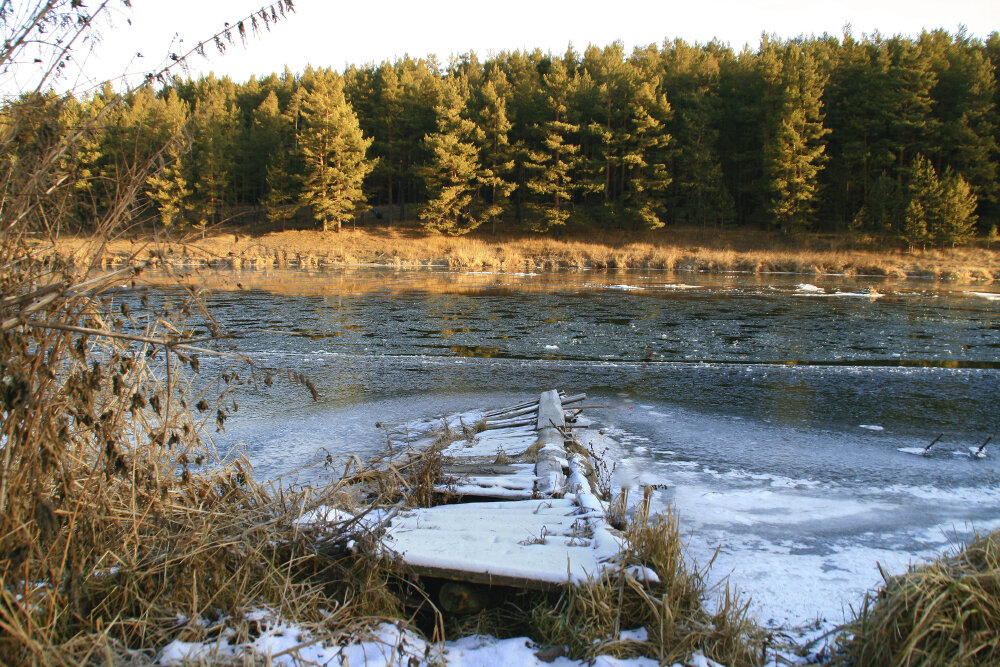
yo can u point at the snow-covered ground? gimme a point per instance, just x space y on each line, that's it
283 643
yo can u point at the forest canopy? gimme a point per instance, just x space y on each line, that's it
894 136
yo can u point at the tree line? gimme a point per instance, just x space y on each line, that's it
890 135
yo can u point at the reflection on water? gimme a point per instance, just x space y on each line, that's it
773 410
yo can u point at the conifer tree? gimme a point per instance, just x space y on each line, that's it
453 175
958 211
168 187
697 192
948 204
152 122
273 132
550 166
333 150
213 127
495 152
963 136
793 150
914 230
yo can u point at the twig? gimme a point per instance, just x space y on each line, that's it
933 442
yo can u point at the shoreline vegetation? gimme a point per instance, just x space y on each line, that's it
402 247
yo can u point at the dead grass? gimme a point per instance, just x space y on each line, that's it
680 249
589 619
943 614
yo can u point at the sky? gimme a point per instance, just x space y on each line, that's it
335 34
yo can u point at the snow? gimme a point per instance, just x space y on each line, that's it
805 289
284 643
541 540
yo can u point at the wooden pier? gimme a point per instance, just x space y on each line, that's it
524 511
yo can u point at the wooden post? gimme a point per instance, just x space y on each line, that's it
549 477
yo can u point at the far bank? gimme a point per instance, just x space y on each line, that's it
678 249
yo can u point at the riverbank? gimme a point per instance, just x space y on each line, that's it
686 249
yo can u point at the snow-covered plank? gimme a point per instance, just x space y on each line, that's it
527 543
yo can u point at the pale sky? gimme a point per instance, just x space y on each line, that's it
325 33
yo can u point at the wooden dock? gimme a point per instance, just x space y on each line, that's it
523 509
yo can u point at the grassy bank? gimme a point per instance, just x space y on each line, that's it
684 249
943 614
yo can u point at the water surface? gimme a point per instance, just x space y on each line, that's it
772 410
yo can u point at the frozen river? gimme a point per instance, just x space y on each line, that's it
772 410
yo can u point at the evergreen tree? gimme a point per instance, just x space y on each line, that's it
453 176
549 168
948 205
697 192
213 127
333 149
272 130
495 152
793 150
168 187
957 223
624 145
741 131
965 122
914 230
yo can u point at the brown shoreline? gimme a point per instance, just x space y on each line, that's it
408 248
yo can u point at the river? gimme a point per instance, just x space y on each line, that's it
772 408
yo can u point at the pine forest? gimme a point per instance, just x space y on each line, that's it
892 136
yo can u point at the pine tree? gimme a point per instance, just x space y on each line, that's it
697 192
948 204
453 176
213 126
274 137
549 167
957 223
168 187
965 121
793 151
333 149
915 225
495 152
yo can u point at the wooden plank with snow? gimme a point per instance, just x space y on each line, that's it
537 523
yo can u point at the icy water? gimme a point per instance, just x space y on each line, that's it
772 410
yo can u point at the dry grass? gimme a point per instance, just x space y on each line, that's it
943 614
681 249
589 619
